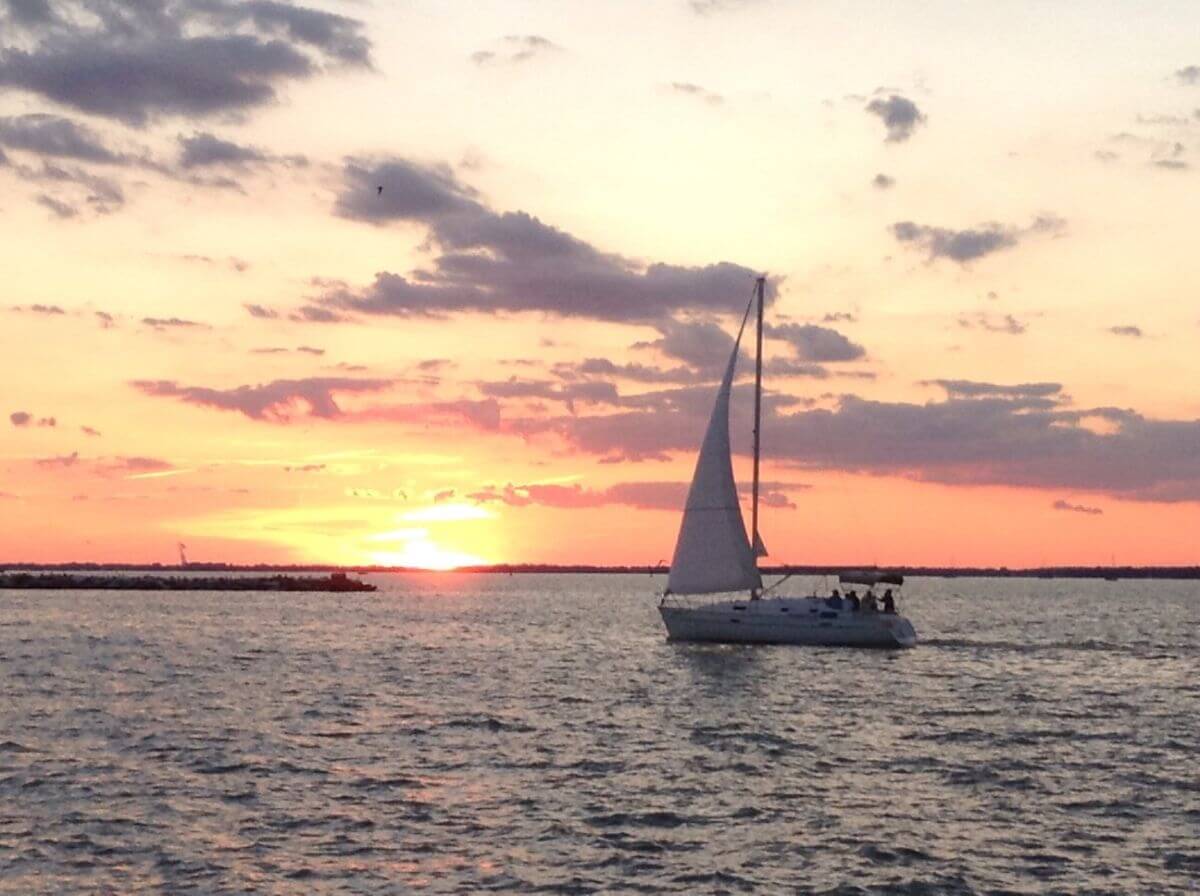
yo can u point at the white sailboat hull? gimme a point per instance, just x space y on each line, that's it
785 620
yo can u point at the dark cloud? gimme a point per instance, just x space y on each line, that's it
59 461
967 245
839 317
278 350
306 468
1171 164
40 309
583 391
649 425
973 389
107 321
816 344
313 314
1164 120
668 496
514 49
645 495
1129 330
411 192
136 61
261 312
641 373
62 210
701 344
1076 508
107 466
238 264
276 401
168 75
710 7
788 367
336 37
165 323
433 364
899 115
883 182
203 149
984 321
700 93
89 431
102 194
29 12
484 414
134 465
1025 436
1189 74
511 261
53 135
20 418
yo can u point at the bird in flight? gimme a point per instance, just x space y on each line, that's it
379 190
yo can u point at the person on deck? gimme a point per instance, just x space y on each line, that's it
889 602
855 603
835 600
868 602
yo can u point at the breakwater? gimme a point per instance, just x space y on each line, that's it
109 582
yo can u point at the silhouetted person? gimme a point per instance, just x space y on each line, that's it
835 599
868 602
889 602
855 603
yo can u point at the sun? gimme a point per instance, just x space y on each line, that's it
421 553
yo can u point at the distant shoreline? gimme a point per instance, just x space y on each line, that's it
945 572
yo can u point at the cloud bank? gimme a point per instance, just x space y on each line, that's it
133 62
511 262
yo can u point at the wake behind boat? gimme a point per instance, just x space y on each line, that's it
713 556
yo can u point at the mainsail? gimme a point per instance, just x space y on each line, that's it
713 553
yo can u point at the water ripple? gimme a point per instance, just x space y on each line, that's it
462 734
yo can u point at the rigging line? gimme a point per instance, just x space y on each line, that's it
771 588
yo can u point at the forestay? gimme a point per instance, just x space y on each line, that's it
713 553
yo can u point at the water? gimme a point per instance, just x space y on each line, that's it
459 734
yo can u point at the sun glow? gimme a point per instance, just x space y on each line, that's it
424 554
443 513
354 534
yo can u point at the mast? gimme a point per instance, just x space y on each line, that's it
758 358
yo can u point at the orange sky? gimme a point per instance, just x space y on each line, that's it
219 331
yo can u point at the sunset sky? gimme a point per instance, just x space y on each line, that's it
978 221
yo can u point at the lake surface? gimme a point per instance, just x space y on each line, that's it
469 733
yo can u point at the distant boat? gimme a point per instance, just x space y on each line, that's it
714 558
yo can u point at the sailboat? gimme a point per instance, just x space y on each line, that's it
716 561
